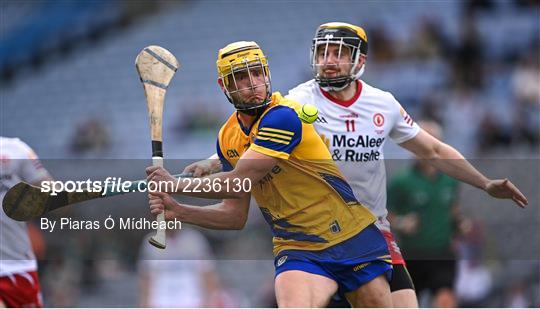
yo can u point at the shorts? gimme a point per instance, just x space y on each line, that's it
351 263
21 290
432 275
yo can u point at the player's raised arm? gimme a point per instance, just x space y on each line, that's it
450 161
252 167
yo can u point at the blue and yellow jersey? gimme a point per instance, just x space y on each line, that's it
304 198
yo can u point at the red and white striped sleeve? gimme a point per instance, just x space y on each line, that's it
404 127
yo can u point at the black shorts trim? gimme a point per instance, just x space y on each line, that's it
401 279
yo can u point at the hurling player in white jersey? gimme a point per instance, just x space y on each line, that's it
19 285
356 119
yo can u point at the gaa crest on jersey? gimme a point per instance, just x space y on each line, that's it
334 227
232 153
281 261
378 120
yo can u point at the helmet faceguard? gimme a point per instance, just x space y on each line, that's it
243 58
345 36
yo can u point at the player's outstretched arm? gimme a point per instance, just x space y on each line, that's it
448 160
204 167
230 214
251 167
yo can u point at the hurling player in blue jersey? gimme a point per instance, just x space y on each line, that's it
325 241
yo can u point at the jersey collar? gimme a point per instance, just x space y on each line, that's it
276 97
348 102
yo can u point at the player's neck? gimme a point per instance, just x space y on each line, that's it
346 94
246 120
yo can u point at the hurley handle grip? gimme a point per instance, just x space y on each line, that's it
159 240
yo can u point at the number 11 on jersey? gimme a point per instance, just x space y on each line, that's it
350 125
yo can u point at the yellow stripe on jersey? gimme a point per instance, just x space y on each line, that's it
277 131
288 138
273 140
269 152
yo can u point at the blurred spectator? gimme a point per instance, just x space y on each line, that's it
382 48
516 296
474 280
528 3
473 284
428 42
198 117
472 6
184 275
526 79
492 134
423 208
62 282
462 116
468 57
431 107
90 135
526 88
266 295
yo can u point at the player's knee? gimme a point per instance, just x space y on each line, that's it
370 301
375 293
293 303
404 298
376 300
293 299
300 289
299 300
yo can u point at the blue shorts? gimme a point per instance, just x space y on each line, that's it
351 263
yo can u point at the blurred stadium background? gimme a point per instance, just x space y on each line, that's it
69 89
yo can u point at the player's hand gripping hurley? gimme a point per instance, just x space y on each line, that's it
156 67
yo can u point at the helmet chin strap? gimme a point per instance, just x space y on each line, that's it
254 111
345 85
336 88
250 108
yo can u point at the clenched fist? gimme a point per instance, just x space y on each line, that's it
160 202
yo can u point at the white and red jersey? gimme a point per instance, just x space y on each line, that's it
355 132
18 162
